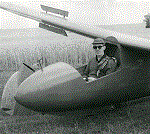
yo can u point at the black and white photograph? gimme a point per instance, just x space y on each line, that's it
75 67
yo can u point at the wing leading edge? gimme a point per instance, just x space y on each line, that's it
82 29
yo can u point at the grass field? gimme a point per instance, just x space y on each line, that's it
132 117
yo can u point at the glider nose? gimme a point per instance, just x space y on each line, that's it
23 98
54 88
19 98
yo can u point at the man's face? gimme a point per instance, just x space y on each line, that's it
99 49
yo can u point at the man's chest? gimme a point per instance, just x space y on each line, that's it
98 65
93 65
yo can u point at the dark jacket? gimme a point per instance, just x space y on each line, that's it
100 68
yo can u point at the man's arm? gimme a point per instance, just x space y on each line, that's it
112 63
86 71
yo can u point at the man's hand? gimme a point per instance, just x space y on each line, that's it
85 78
98 72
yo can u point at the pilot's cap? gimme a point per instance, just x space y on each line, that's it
99 41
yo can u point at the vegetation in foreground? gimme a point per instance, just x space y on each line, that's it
125 119
108 122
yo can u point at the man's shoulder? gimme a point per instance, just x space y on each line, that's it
109 59
92 59
112 61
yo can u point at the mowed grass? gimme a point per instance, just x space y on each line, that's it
131 117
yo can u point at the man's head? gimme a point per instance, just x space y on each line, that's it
99 46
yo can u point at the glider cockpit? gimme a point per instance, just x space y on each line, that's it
113 49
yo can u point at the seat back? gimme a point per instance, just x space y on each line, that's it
112 50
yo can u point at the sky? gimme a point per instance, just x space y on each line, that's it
92 12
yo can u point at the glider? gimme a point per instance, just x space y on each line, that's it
60 87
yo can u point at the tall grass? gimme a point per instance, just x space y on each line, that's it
74 50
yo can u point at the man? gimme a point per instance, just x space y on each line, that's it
101 64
